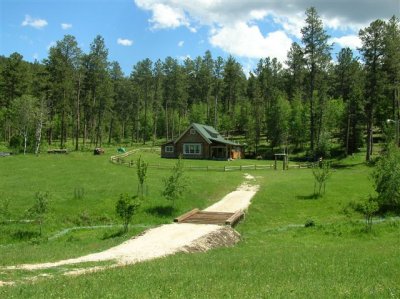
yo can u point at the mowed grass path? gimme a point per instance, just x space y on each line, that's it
277 257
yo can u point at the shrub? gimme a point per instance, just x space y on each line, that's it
175 184
309 223
40 208
387 180
141 168
321 174
368 209
126 207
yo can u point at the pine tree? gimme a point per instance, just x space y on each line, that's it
391 65
317 56
348 87
62 66
372 49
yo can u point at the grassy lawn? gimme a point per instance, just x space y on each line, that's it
22 176
277 258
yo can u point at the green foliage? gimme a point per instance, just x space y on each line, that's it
349 86
317 57
141 170
309 223
278 122
126 207
23 112
88 97
40 208
368 208
321 174
387 179
372 49
324 145
298 122
175 184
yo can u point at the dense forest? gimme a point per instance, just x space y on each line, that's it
310 102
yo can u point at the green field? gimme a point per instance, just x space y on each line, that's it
277 258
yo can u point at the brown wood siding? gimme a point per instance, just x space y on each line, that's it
164 154
192 138
228 150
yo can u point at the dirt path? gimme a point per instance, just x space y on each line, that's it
166 239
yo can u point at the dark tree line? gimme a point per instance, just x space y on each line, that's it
308 103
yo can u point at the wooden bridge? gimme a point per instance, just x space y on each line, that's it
205 217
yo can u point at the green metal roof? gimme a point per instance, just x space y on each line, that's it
210 134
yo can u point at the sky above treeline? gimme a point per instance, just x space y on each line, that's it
137 29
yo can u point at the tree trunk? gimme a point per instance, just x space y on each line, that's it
63 122
155 129
62 129
39 133
145 120
369 138
110 130
84 134
166 120
123 130
312 115
348 133
78 114
25 139
215 111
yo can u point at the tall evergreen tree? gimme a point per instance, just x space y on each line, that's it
372 49
317 56
158 77
233 89
348 87
62 66
13 84
391 64
218 83
205 81
255 127
98 88
142 77
296 70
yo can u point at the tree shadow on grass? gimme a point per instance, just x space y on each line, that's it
25 235
161 211
312 196
113 234
346 166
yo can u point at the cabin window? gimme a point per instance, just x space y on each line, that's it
192 148
192 132
169 149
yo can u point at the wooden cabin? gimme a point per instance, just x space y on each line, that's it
201 142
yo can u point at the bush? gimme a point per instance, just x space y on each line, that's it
309 223
40 208
368 208
387 180
175 184
321 174
16 143
126 207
